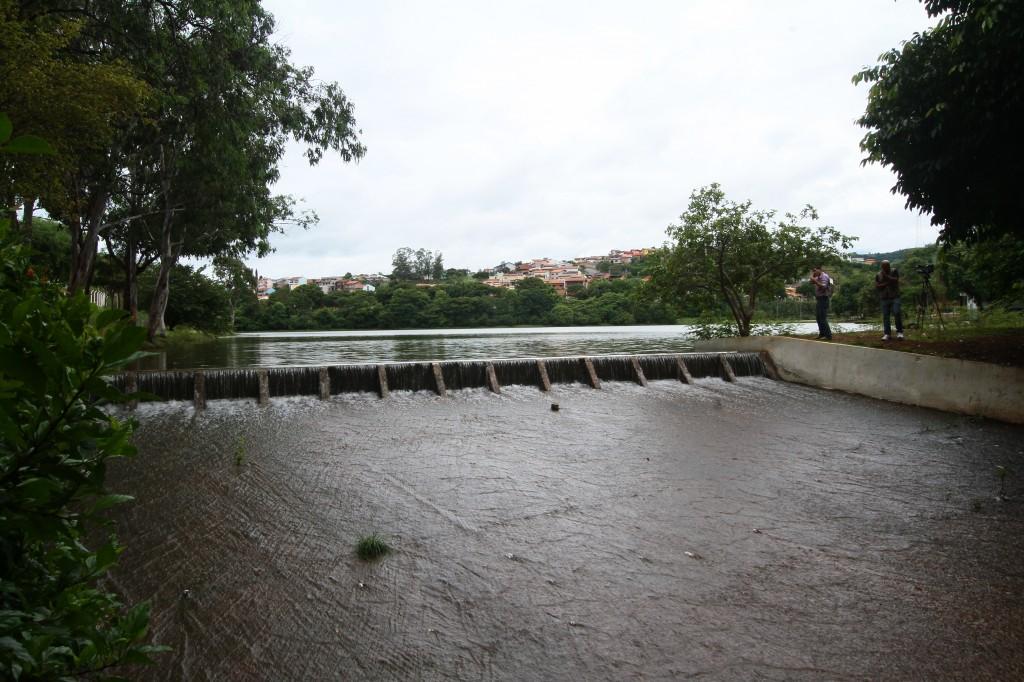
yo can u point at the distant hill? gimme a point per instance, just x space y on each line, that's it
891 256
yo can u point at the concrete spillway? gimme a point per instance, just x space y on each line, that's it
263 384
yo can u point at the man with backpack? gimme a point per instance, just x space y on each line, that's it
887 284
823 288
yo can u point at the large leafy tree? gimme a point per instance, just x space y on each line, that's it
229 99
81 100
727 253
944 112
209 101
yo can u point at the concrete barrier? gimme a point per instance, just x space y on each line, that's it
962 386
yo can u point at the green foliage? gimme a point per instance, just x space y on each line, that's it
459 303
240 452
419 265
372 547
944 113
196 300
988 271
534 300
55 441
23 144
727 253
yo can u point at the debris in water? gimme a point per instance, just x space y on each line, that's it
510 556
693 555
575 624
554 407
757 530
551 582
362 584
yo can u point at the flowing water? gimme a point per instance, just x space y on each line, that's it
275 349
747 530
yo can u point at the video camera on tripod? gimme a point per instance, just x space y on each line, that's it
926 274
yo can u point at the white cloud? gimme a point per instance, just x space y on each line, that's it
519 130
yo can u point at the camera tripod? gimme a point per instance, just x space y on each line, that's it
922 306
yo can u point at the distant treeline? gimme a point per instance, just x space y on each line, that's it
221 297
461 303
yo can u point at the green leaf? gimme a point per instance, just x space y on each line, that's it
14 648
39 489
108 316
29 144
108 501
6 128
122 343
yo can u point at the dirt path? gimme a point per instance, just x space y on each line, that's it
1005 347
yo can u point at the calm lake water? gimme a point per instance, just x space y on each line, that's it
276 349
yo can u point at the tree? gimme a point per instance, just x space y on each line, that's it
987 272
945 111
534 300
409 308
724 252
423 264
195 127
225 113
198 301
402 264
61 84
238 281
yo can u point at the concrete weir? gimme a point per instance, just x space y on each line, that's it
200 386
961 386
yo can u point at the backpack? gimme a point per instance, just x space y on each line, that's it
831 288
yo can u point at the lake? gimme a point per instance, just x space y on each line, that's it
277 349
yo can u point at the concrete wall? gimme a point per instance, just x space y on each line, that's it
974 388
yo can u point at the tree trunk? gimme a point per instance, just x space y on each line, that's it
161 290
83 253
131 277
26 217
743 323
161 293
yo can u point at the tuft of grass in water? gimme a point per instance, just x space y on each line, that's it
372 547
240 452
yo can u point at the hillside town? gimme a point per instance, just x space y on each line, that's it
560 275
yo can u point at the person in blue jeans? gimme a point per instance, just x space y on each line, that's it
822 294
887 284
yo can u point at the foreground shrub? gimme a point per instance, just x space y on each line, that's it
56 621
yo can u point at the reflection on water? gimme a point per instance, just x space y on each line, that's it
275 349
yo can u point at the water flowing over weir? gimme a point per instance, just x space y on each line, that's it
437 377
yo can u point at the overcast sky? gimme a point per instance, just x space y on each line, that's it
515 130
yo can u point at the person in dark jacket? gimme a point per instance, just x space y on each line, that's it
822 293
887 284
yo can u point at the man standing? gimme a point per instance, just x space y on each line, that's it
887 284
822 293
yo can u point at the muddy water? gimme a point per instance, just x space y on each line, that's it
755 530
